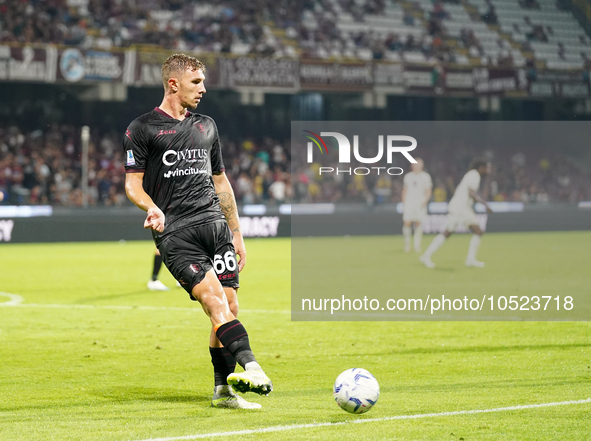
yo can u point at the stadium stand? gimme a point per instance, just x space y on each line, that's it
43 167
475 32
218 26
542 26
527 176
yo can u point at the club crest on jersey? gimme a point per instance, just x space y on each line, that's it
195 268
130 158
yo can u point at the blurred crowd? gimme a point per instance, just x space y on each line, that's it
44 167
274 28
228 26
529 177
215 25
319 34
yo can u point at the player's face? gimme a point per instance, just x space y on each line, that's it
417 167
191 88
486 170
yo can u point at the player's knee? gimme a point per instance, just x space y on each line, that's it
208 294
234 307
232 297
476 230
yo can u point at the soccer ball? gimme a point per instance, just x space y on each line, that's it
356 390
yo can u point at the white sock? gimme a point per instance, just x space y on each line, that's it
474 244
222 390
406 231
252 365
418 237
435 245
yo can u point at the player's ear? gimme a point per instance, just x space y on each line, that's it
173 84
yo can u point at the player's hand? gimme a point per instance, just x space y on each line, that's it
240 249
155 220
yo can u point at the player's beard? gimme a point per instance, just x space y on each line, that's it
190 103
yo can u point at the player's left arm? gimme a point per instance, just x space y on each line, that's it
478 198
230 210
428 193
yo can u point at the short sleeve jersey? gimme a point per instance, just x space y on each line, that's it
178 159
461 199
416 185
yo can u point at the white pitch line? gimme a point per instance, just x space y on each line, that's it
16 302
15 299
367 420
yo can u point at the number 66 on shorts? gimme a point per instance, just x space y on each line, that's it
227 263
193 251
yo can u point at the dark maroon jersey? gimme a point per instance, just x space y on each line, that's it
178 159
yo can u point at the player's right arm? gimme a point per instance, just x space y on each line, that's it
478 198
135 145
136 194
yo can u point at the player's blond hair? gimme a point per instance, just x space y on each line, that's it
177 64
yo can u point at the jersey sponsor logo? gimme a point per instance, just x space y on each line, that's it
165 132
171 157
184 172
130 158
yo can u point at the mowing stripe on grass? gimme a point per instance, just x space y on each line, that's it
366 420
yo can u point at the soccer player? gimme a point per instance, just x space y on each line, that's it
154 284
460 212
175 172
416 192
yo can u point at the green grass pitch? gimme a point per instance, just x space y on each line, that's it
91 354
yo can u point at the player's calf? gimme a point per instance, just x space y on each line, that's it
235 339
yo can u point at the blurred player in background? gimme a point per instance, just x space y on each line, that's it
175 172
416 193
154 284
460 211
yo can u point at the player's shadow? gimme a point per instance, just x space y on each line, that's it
124 394
111 296
444 269
479 349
